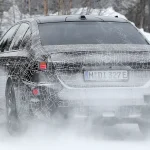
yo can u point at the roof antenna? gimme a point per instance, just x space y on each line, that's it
116 16
82 17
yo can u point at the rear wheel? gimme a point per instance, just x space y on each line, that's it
144 125
13 123
145 129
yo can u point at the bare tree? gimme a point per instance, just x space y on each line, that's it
46 7
142 13
137 13
88 7
68 6
14 15
61 7
149 15
29 6
1 15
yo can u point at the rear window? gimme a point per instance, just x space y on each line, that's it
67 33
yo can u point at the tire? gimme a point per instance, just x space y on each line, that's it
144 124
13 123
145 129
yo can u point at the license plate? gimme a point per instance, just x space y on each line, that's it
118 75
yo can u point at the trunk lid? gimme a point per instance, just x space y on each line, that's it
75 64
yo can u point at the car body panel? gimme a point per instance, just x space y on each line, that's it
96 47
58 82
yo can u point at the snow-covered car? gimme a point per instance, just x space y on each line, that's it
93 67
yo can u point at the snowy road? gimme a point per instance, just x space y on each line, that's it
40 136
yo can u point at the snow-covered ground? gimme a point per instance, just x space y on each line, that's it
40 136
43 138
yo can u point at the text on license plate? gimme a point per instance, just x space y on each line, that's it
119 75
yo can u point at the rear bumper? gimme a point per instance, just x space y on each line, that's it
122 104
107 97
117 104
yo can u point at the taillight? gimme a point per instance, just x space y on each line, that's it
42 65
35 91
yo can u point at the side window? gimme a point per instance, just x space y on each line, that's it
19 36
26 43
7 39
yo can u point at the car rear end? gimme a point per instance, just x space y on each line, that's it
107 82
99 69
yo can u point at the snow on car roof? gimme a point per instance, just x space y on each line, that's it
72 18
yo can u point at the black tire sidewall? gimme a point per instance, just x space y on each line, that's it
13 116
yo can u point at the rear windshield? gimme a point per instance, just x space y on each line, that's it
67 33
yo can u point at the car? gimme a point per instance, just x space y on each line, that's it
77 66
